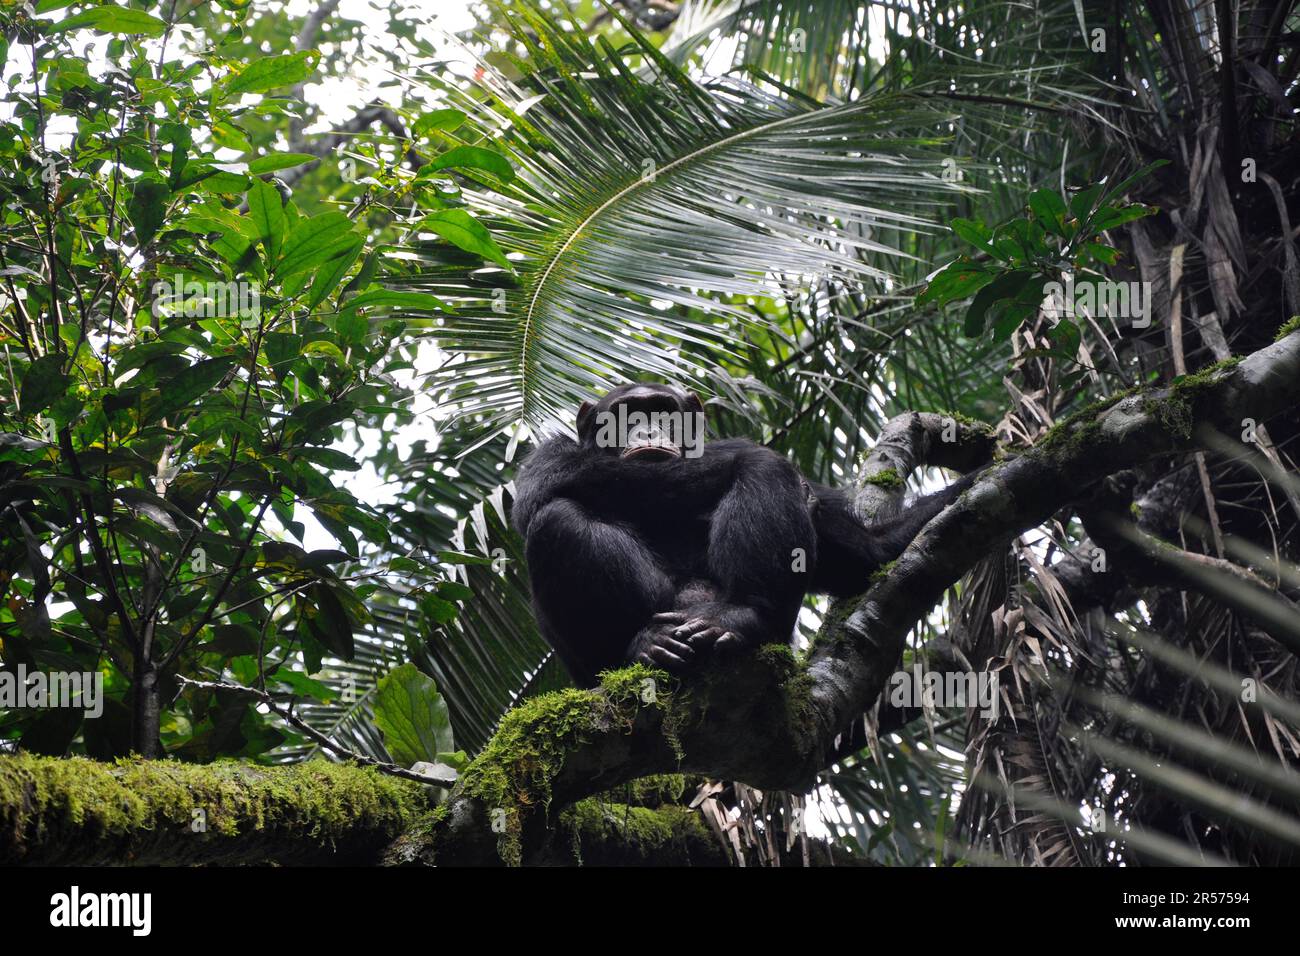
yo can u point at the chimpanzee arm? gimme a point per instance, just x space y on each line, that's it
762 545
595 584
849 551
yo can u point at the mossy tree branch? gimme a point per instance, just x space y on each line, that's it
83 812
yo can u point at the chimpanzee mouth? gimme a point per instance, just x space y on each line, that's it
651 451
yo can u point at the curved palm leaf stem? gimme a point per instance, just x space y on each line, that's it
550 266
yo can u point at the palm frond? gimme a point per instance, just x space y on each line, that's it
637 204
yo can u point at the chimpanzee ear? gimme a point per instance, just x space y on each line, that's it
693 402
584 418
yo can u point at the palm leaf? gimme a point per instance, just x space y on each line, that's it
638 203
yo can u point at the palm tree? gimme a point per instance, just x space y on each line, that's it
747 195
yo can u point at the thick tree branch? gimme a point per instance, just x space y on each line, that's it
57 811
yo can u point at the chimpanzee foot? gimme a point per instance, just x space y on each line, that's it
657 646
698 630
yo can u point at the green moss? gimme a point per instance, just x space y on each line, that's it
1082 425
629 682
969 422
887 479
1195 381
621 833
90 811
882 572
799 705
515 770
832 630
652 791
780 658
1176 410
1174 414
1290 325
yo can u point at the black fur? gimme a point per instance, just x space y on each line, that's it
713 540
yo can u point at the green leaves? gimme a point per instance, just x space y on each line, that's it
330 275
463 230
267 213
1025 253
955 281
1004 290
643 209
43 382
163 312
313 241
193 383
974 232
112 18
412 716
395 298
277 161
269 73
147 207
324 620
1049 209
474 157
445 120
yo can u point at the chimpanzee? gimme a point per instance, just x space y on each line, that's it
642 547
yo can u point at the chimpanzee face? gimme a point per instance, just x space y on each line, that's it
644 422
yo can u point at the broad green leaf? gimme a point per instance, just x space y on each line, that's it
475 157
437 120
1108 255
1118 189
1049 209
330 458
1082 202
955 281
330 275
974 232
329 349
1109 218
281 349
147 208
43 382
269 164
303 685
1009 316
327 621
396 298
412 716
269 73
267 212
1008 285
315 240
193 383
461 229
112 19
